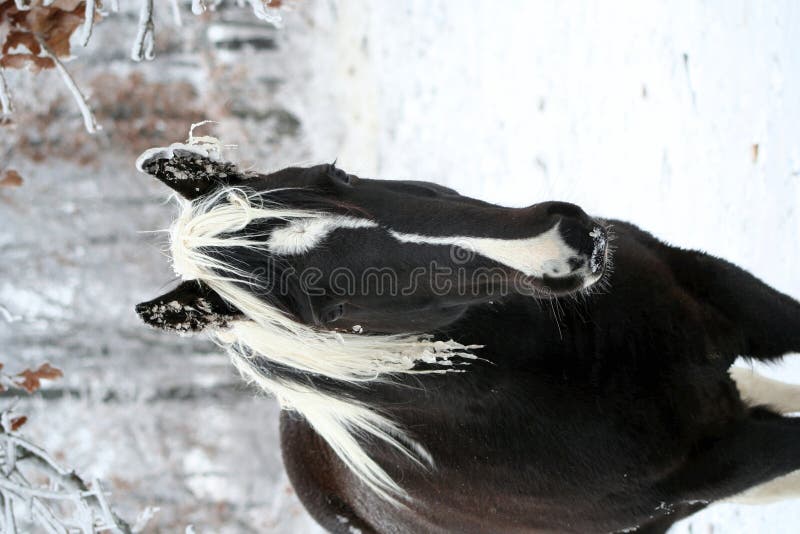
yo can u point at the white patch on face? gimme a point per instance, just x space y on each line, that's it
302 235
544 254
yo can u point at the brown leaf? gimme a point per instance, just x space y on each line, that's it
26 61
11 178
21 38
56 25
53 24
30 381
17 422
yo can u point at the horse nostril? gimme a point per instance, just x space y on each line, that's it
575 263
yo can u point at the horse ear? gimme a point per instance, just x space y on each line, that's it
190 170
189 308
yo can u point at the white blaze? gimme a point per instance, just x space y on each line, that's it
546 253
302 235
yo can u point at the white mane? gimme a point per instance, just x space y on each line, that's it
271 335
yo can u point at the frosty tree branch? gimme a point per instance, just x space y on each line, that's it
176 13
66 490
88 22
6 107
143 46
145 39
64 504
89 121
198 7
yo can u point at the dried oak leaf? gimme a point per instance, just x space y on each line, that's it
30 381
56 23
17 422
17 38
10 178
26 61
19 60
53 24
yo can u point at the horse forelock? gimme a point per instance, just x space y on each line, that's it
223 222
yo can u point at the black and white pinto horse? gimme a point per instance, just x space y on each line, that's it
448 365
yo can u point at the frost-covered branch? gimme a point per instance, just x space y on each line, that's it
267 10
198 7
88 22
89 121
42 40
144 42
65 503
7 315
6 107
176 13
35 488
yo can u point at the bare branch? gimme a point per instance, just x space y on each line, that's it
176 13
263 10
49 505
9 522
198 7
6 106
144 517
4 312
89 121
145 38
88 22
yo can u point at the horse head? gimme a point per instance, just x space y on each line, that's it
321 272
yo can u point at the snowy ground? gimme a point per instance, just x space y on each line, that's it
679 116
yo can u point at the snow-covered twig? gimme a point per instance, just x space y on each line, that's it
145 516
65 503
145 39
89 121
262 10
198 7
8 316
176 13
91 512
62 505
6 107
88 22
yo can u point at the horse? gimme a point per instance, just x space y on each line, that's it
444 364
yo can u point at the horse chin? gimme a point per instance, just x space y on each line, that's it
568 285
561 286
